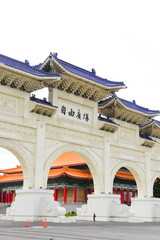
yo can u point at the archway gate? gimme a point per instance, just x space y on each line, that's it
108 134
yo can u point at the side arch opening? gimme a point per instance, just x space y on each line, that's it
11 176
156 188
24 170
125 185
130 177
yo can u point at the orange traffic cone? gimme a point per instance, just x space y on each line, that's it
44 223
26 224
41 223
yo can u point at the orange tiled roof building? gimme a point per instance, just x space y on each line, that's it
71 180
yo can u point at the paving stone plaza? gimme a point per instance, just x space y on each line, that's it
81 230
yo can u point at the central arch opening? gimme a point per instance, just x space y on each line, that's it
71 179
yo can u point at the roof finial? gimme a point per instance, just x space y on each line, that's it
55 55
27 62
50 55
93 71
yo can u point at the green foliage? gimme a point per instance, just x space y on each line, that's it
156 188
72 214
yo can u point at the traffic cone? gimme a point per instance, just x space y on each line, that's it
44 223
41 223
26 224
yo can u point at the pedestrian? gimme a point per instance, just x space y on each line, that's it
94 217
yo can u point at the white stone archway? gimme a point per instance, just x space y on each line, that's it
136 172
89 157
24 159
82 116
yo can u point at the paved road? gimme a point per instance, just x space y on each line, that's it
81 230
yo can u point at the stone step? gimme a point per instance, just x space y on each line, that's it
3 207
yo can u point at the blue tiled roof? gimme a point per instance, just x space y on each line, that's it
25 67
87 74
129 104
153 121
157 122
106 120
145 136
41 101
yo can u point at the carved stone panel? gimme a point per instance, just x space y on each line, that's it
8 104
156 152
18 132
72 136
127 136
155 165
127 154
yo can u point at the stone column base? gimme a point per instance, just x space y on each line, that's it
35 205
147 209
107 207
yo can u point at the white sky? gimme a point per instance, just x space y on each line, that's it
7 159
119 38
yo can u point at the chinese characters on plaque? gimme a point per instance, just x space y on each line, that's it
77 114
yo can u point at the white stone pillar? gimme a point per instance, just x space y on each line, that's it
39 161
95 115
26 105
148 190
107 168
53 96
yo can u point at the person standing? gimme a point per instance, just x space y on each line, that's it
94 217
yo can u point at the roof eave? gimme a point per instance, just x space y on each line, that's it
148 125
116 87
129 109
105 104
16 70
138 111
45 62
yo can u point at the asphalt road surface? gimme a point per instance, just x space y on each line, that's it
80 230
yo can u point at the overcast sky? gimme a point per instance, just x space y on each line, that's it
119 38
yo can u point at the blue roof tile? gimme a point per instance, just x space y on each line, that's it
157 122
104 119
42 101
128 104
24 66
145 136
153 121
87 74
